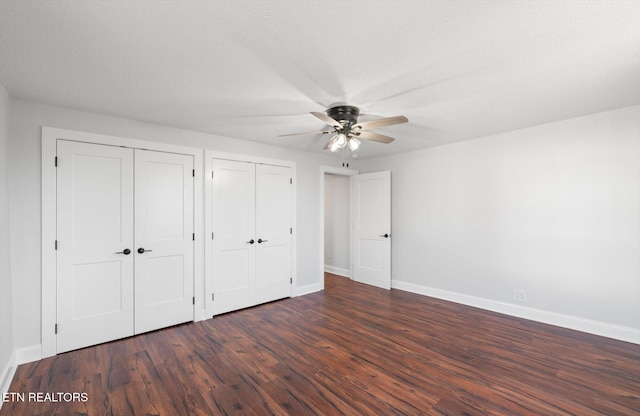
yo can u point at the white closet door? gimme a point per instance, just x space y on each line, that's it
371 202
95 228
164 240
233 220
273 233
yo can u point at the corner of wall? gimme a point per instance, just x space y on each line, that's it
7 348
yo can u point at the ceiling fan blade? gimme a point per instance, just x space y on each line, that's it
327 119
381 122
301 134
376 137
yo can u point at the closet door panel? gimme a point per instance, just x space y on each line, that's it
273 232
164 240
233 219
95 227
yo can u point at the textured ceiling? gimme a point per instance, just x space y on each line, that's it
255 69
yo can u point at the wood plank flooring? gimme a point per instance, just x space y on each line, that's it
349 350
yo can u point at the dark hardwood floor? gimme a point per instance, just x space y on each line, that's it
350 350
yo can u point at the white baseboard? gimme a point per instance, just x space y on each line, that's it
29 354
566 321
21 356
308 289
337 270
6 375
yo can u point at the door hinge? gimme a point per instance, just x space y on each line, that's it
56 329
290 181
212 236
193 236
212 297
194 300
291 230
211 174
56 161
291 280
56 244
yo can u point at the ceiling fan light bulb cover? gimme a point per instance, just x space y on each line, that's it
354 144
341 140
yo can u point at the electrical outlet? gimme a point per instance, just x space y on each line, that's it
520 295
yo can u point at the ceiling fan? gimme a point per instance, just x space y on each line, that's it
343 120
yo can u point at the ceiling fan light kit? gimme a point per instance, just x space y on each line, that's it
344 121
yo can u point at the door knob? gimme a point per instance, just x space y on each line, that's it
260 240
251 241
126 252
385 235
142 250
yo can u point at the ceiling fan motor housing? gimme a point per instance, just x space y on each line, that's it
344 113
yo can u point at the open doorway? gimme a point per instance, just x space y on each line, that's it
369 226
335 221
337 225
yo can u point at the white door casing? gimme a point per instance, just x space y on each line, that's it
233 219
273 232
95 228
371 202
163 240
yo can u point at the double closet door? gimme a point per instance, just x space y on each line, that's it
252 232
124 242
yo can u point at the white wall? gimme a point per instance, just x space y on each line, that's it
336 224
6 304
28 117
553 210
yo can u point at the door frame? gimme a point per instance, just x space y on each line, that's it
342 172
209 155
49 139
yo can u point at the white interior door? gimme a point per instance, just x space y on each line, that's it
95 233
163 240
234 239
371 202
273 233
